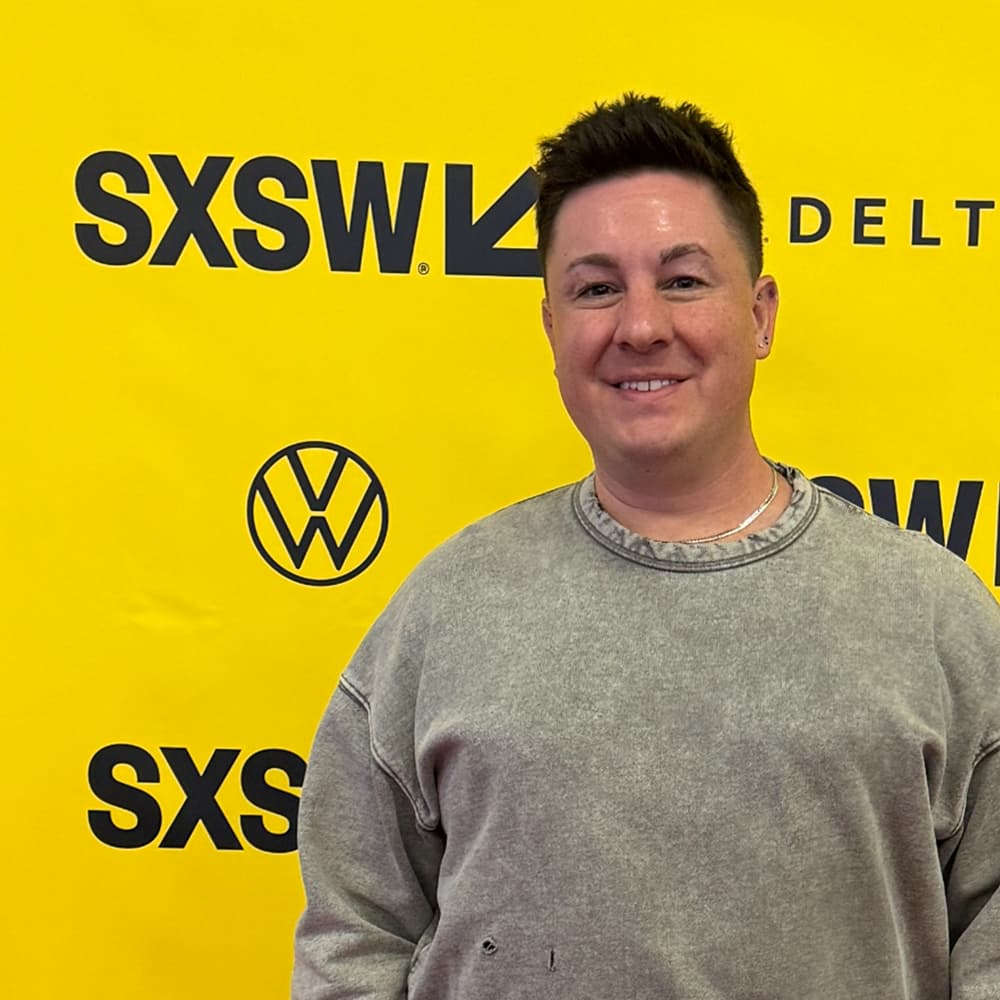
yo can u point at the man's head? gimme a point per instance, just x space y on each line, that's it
635 134
654 306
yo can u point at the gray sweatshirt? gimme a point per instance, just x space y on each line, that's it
570 762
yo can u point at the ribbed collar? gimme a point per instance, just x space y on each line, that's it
687 558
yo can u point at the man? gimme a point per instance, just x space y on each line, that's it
692 728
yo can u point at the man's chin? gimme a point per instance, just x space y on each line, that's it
640 457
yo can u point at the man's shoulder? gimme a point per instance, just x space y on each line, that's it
501 550
510 533
863 537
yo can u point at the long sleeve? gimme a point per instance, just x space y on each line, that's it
973 887
369 868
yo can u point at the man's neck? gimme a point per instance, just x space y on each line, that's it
678 501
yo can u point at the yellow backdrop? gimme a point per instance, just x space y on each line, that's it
236 413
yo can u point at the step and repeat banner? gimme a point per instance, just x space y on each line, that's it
272 333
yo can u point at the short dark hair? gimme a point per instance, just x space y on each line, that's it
637 133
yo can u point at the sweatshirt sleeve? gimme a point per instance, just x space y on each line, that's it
368 866
973 887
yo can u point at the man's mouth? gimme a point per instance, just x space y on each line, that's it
647 385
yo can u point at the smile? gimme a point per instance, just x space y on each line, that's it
648 385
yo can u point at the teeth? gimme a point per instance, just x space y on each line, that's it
648 386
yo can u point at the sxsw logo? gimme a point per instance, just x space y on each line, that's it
268 820
317 513
393 218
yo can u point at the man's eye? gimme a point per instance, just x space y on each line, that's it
684 282
596 290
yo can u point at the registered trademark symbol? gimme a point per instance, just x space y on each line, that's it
423 268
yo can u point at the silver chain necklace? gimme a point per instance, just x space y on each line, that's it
746 522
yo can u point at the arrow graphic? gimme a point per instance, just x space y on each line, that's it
470 246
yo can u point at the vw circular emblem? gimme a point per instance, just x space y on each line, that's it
317 513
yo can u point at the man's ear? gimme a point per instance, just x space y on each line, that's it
765 311
547 321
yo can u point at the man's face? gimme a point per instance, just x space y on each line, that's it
654 321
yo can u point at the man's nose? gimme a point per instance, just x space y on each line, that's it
644 319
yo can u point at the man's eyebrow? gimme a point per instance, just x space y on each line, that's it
683 250
593 259
666 256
